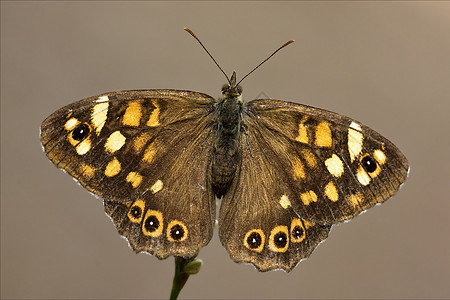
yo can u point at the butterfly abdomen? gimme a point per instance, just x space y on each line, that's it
226 145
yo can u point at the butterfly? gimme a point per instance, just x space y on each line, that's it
285 173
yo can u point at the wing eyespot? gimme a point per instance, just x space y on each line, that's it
136 211
298 232
368 163
279 239
254 240
81 132
153 223
177 231
79 135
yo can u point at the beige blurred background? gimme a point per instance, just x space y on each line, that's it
386 64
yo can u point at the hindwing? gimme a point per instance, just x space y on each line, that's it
258 223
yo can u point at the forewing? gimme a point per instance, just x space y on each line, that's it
147 154
335 166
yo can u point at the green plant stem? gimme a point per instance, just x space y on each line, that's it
180 276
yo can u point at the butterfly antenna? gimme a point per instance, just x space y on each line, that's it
284 45
204 48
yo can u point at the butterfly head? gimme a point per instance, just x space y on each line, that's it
232 90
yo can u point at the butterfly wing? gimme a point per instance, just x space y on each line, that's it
336 166
253 226
303 169
133 149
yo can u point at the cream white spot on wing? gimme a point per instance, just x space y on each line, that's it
157 186
71 124
284 202
84 147
114 142
362 176
335 166
356 126
113 167
379 156
331 192
102 99
99 115
355 142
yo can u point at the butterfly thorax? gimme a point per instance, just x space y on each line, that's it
225 153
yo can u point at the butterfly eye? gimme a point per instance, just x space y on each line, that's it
81 132
225 87
176 231
369 164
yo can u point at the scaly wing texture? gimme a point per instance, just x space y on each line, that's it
337 167
257 224
133 149
303 170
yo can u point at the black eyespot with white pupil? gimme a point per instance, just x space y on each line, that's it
280 239
151 224
177 232
254 240
136 212
369 164
81 132
297 232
